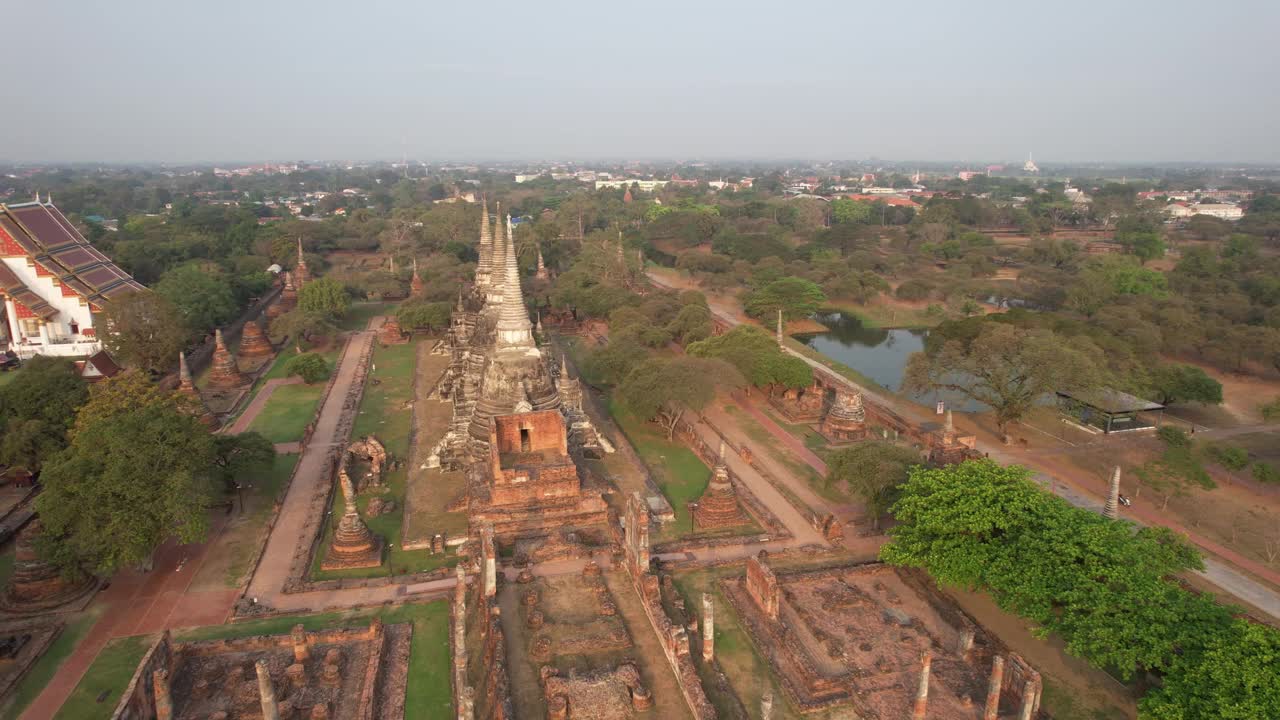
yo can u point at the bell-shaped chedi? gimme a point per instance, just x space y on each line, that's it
224 374
36 586
354 546
718 507
390 333
847 418
254 343
187 388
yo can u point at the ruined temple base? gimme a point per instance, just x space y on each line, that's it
838 436
72 602
26 643
853 636
795 413
337 560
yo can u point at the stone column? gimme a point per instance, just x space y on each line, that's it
766 706
708 628
299 638
488 554
922 694
44 333
1028 700
993 689
164 700
966 643
266 692
1112 509
779 327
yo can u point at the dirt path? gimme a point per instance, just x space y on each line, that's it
138 603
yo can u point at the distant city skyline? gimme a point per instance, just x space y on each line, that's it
1116 83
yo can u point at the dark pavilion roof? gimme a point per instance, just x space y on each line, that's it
53 242
1110 400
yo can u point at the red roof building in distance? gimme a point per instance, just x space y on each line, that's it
52 282
889 200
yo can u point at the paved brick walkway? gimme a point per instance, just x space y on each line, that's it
137 603
273 570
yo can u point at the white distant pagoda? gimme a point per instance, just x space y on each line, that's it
53 282
1030 165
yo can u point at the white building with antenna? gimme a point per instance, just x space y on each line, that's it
1030 165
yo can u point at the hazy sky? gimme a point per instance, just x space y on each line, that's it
1079 80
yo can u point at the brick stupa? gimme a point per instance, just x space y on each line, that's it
390 332
224 373
354 545
300 273
187 388
847 418
718 507
254 343
36 586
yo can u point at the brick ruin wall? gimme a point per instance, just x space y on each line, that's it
675 645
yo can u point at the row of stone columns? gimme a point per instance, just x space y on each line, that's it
992 709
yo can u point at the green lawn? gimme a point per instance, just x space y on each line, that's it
42 671
382 415
428 694
287 412
110 673
7 377
358 317
675 468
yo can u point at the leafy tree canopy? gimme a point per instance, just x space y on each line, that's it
872 471
325 295
755 353
796 297
144 330
311 367
664 389
37 409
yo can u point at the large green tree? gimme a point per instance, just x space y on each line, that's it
125 485
37 409
757 356
665 389
1006 368
201 294
325 295
144 330
797 298
872 471
1174 383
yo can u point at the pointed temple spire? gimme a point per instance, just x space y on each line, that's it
184 374
495 286
514 328
300 274
484 268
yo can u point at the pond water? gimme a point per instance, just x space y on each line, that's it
878 353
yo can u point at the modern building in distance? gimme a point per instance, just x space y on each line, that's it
52 281
644 185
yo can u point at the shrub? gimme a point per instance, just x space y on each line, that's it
1271 411
1231 457
913 290
1266 473
309 366
1173 437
